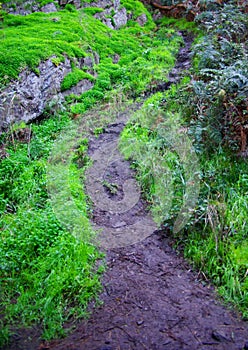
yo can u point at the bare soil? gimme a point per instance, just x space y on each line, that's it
152 300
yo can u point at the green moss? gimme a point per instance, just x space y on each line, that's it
31 39
74 77
45 2
135 7
93 10
181 24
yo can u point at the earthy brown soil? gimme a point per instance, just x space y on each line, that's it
151 298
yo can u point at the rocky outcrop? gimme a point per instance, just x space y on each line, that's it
26 7
83 86
76 3
48 8
27 98
113 15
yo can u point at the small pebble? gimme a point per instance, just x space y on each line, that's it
220 336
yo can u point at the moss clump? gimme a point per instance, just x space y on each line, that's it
75 77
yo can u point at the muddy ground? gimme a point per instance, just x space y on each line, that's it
151 298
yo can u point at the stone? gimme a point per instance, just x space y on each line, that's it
117 4
26 98
129 16
157 15
142 19
116 58
3 153
96 57
88 62
221 336
120 18
76 3
48 8
24 7
108 22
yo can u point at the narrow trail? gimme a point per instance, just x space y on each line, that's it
151 298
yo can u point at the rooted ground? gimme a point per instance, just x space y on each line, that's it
151 298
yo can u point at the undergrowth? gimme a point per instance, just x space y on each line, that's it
210 106
46 274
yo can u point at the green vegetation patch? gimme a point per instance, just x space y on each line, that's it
47 275
28 40
210 106
74 77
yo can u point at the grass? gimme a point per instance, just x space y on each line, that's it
214 238
46 274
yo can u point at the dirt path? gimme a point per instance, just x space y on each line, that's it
151 300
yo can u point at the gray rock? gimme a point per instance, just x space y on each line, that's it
26 7
142 19
76 3
129 16
221 336
120 18
116 58
157 15
88 62
101 4
108 6
26 98
48 8
96 57
117 4
106 21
